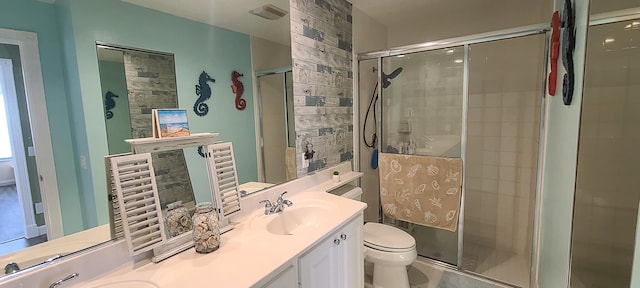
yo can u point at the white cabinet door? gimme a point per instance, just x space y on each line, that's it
352 259
318 267
337 261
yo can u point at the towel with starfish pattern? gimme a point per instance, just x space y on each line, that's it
421 189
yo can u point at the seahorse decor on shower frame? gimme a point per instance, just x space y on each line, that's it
568 45
203 90
109 103
238 88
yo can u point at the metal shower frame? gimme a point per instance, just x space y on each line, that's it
466 41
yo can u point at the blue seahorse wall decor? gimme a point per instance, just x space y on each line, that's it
203 90
568 45
109 103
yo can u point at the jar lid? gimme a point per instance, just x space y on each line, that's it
204 207
173 205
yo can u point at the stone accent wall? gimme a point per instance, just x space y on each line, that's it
321 33
151 83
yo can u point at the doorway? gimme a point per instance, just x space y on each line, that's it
275 100
19 229
35 173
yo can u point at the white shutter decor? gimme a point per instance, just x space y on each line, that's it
224 180
112 198
137 193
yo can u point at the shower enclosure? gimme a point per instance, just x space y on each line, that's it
479 99
607 195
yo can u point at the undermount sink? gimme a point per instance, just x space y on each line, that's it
294 220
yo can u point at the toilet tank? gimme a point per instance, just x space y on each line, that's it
349 191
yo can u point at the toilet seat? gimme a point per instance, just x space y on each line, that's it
387 238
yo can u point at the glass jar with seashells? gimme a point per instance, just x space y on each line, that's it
178 220
206 230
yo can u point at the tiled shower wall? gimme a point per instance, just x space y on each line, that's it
501 156
321 33
504 108
423 104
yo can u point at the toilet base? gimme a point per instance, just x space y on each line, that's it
390 276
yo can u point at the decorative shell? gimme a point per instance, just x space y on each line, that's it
420 189
178 220
395 166
390 209
413 170
432 170
450 215
206 230
430 217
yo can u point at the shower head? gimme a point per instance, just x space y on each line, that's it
386 78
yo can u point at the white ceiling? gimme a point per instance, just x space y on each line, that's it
395 14
233 14
391 12
230 14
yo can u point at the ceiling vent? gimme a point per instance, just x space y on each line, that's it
269 12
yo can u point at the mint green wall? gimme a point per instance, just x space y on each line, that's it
38 17
561 152
112 78
67 32
196 46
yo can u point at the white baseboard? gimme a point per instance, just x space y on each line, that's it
7 182
34 231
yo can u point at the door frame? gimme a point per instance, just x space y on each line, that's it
259 113
19 160
38 116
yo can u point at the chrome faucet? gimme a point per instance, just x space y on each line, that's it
59 282
278 207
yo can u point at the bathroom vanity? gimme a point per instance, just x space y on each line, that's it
317 242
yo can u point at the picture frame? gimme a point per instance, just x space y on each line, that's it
170 123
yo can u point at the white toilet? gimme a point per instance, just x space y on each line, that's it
388 248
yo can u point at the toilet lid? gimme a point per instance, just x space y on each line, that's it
385 237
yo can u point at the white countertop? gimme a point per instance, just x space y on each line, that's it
37 254
248 254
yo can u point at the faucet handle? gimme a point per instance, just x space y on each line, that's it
287 202
267 206
266 202
280 199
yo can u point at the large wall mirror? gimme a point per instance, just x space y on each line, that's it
85 74
133 83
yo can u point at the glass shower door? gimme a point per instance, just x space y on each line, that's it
421 99
503 127
607 194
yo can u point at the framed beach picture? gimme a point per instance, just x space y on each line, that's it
170 123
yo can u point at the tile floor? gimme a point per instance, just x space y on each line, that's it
426 275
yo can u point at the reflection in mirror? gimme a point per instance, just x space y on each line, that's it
72 90
133 83
275 100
